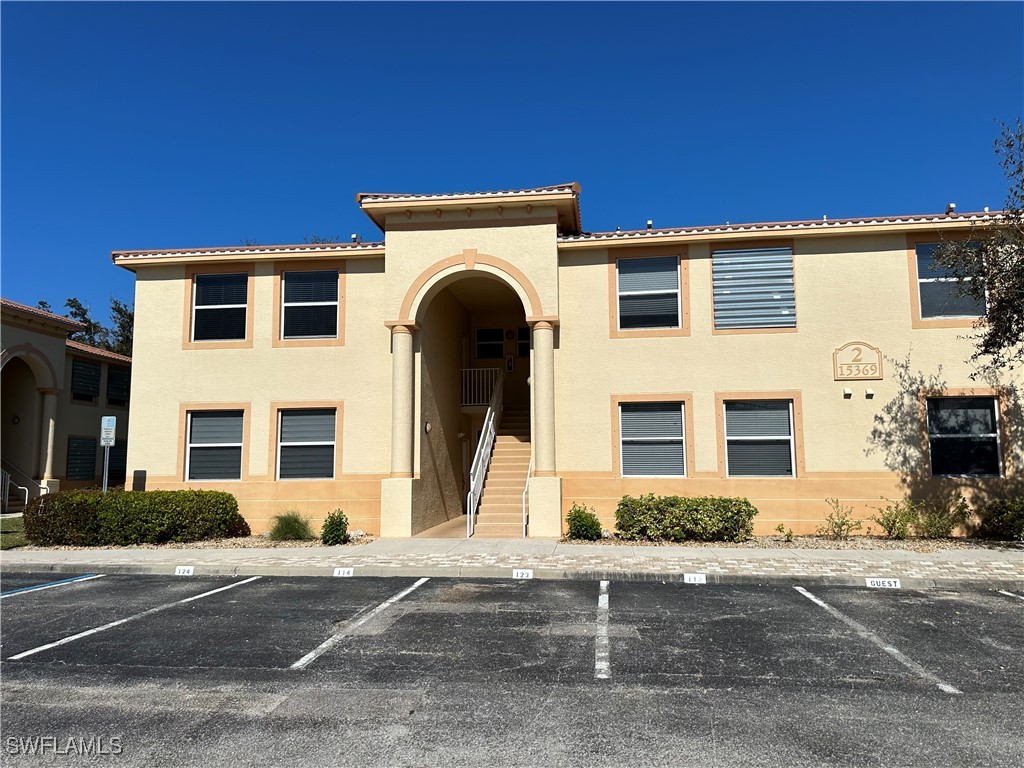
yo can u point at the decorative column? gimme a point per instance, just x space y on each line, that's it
544 398
48 436
402 401
396 490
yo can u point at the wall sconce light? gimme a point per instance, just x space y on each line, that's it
426 427
847 393
15 419
869 393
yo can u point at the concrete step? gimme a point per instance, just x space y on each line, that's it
488 509
503 461
502 496
513 439
500 518
499 531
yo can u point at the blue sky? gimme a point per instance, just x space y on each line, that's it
163 125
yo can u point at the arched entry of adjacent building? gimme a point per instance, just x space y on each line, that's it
465 319
28 410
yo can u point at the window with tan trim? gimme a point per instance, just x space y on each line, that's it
963 436
220 307
310 305
652 439
648 293
759 438
214 445
939 291
306 443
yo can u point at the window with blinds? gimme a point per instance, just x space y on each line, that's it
648 292
305 447
753 288
81 458
963 436
85 381
759 438
310 308
219 307
118 385
652 439
214 445
939 290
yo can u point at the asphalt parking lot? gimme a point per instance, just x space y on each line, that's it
403 671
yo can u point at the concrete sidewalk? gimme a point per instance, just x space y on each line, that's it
551 559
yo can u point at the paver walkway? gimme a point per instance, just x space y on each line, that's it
482 558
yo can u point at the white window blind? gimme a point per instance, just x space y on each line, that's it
652 438
648 292
759 438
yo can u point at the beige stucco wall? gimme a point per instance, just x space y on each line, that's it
847 289
355 375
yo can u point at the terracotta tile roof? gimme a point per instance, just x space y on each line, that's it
783 226
398 197
247 250
78 346
42 314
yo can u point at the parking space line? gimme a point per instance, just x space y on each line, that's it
52 584
1010 594
602 662
871 637
119 622
349 626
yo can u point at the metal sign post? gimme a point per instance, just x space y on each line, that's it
108 428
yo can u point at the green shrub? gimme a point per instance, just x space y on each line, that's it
583 523
787 533
939 515
839 523
897 517
1002 519
291 526
335 529
675 518
91 518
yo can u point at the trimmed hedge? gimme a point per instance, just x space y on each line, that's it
583 523
1002 519
91 518
676 518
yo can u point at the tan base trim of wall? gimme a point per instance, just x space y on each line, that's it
358 496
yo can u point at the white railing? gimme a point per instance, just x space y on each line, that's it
5 478
478 385
526 490
482 457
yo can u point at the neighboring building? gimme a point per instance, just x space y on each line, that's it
786 362
54 392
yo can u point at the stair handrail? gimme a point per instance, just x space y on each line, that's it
5 493
482 457
15 471
526 490
9 471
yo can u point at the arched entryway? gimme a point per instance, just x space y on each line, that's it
28 412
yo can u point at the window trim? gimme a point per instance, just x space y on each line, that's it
275 442
917 321
738 245
615 255
1002 425
308 265
685 399
184 432
681 439
188 316
796 427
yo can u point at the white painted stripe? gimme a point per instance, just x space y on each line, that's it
119 622
347 629
51 585
1010 594
871 637
602 662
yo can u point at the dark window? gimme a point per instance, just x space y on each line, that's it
490 344
652 439
306 445
759 438
85 381
220 307
523 342
939 290
214 445
310 305
963 436
81 458
118 385
648 292
753 288
117 468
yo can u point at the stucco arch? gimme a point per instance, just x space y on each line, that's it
437 274
38 363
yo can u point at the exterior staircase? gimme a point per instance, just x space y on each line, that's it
500 514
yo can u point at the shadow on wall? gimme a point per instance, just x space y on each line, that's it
900 435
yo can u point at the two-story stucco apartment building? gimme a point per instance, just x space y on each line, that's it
773 361
54 393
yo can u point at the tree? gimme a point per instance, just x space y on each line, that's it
44 305
94 334
116 338
989 266
316 239
121 334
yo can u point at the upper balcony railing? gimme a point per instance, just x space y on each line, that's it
478 385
